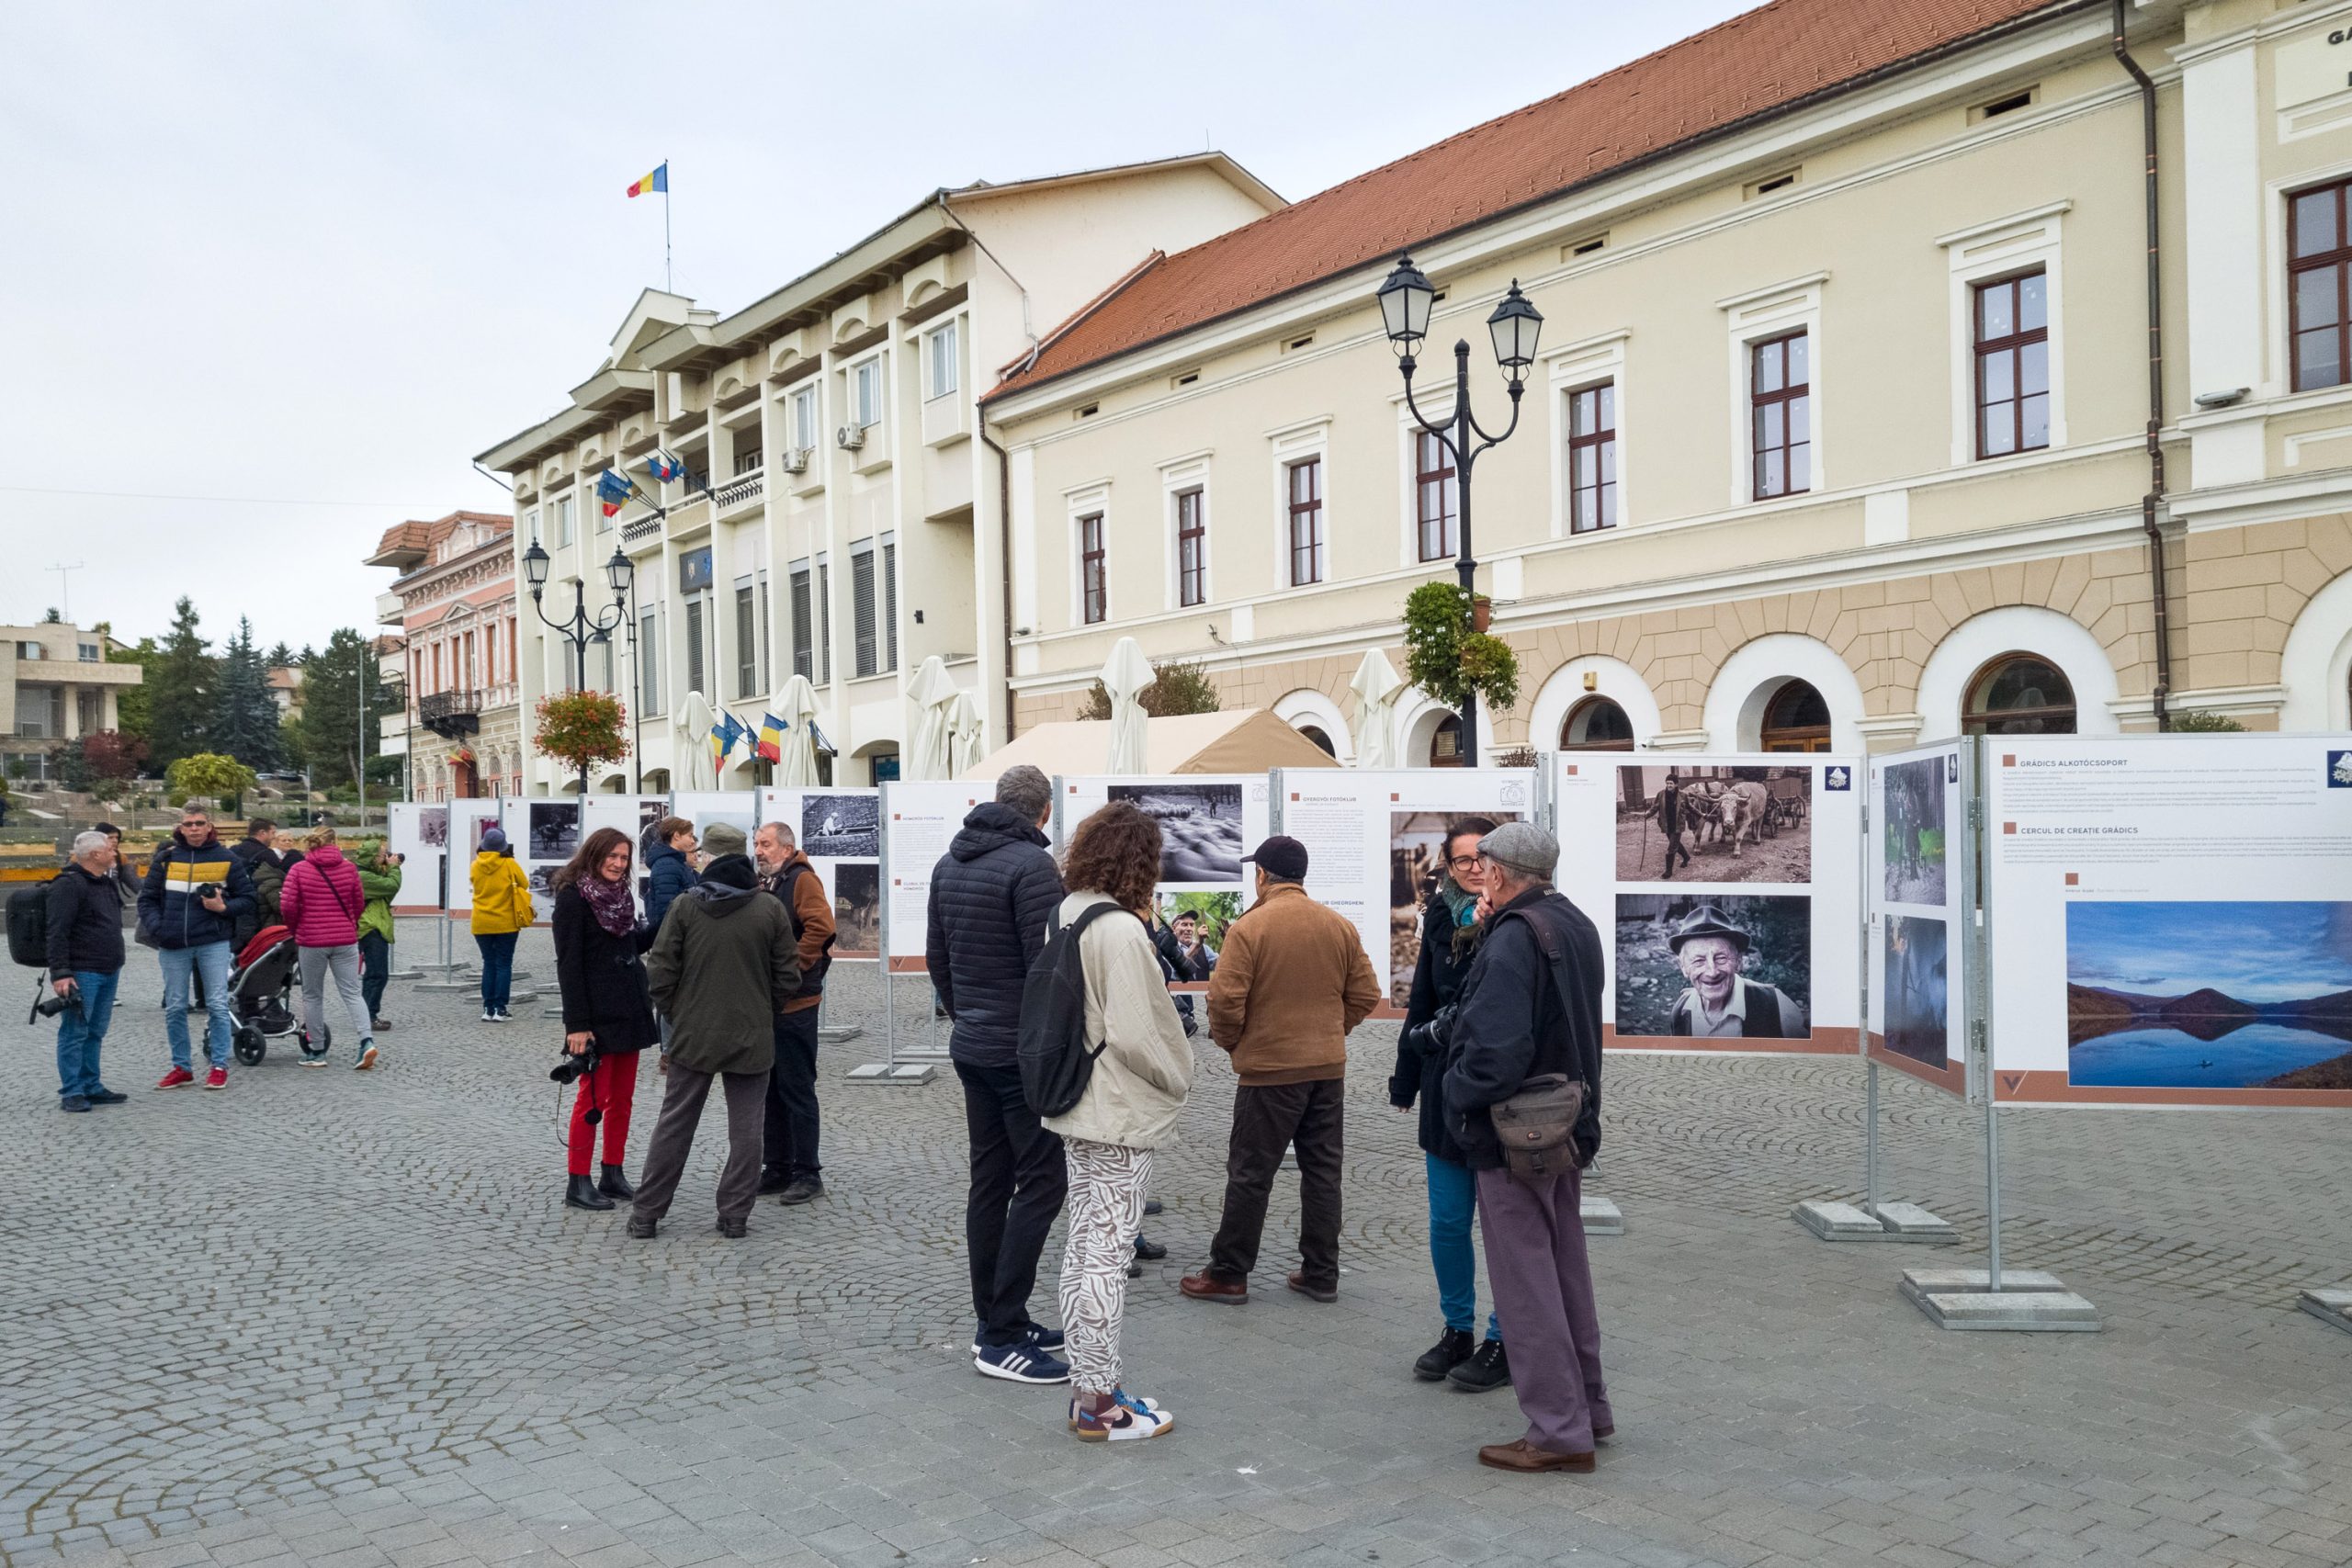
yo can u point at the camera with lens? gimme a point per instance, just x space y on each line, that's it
572 1068
205 891
51 1003
1431 1036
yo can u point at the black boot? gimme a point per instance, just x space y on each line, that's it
1487 1370
1453 1348
583 1194
616 1185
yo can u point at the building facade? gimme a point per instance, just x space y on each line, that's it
1839 436
55 685
837 512
461 730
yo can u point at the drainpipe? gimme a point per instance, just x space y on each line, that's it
2150 503
1005 552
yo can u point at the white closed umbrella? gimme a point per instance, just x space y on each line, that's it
1125 677
694 764
1376 686
796 705
932 694
964 733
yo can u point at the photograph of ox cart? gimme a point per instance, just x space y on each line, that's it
1715 822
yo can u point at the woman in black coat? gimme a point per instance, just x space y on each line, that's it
1450 932
599 942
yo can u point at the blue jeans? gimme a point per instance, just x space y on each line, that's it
82 1029
210 963
1453 1203
497 969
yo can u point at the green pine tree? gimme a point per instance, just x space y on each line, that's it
180 692
332 683
244 714
280 658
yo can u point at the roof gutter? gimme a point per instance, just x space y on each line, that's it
2151 502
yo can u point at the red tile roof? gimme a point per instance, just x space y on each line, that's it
1766 60
415 540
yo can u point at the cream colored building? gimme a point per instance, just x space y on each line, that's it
1864 283
55 685
839 512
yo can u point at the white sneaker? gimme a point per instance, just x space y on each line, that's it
1127 1418
490 1015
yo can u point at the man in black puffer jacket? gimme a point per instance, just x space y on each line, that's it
992 896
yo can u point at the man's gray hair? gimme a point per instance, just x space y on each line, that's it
89 840
782 830
1026 789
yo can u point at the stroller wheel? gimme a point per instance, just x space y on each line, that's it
250 1046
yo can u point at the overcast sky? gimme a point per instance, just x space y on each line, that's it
272 274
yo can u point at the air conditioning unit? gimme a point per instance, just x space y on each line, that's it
796 459
850 437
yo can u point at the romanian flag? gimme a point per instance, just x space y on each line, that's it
612 489
771 746
718 743
658 180
662 466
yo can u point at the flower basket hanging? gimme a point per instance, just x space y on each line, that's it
582 728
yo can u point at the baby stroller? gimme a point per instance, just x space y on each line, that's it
261 994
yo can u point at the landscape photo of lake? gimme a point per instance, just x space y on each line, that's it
2209 995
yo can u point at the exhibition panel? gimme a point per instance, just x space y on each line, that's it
634 814
706 807
544 834
468 820
841 833
1919 938
419 834
1206 822
918 819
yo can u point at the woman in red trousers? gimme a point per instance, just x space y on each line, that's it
598 943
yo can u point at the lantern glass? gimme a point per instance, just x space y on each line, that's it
534 566
621 572
1515 326
1405 301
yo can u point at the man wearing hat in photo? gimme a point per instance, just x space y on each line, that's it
1291 982
1520 1015
1719 1002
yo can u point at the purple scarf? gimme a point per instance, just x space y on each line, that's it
613 904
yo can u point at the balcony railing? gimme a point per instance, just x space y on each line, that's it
738 492
450 714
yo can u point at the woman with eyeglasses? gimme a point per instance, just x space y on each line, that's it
1450 932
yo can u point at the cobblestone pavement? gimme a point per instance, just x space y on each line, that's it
333 1319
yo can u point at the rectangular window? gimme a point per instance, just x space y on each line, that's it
1592 459
804 639
562 522
2012 331
2319 286
941 358
825 620
87 652
865 393
1305 482
1779 398
1436 496
748 461
696 675
889 602
804 417
649 664
861 600
747 641
1093 589
761 590
1192 550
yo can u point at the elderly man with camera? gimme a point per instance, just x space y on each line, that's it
84 963
1522 1098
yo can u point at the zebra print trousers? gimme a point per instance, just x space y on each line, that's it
1108 1184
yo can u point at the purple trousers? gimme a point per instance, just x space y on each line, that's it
1535 1259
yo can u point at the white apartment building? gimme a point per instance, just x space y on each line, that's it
840 508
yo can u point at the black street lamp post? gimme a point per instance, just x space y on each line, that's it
1405 301
581 629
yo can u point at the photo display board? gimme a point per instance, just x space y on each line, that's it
841 833
1208 822
418 831
634 814
1374 842
918 820
545 832
1919 936
1728 893
704 807
2171 919
467 820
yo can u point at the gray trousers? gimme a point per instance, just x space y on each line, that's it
673 1139
343 964
1535 1258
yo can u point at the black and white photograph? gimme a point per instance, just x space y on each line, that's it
555 829
843 826
433 827
1917 1018
857 910
1714 965
1714 823
1416 875
704 821
1200 828
543 885
1915 831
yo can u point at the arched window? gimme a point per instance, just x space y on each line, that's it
1796 719
1445 745
2020 693
1322 742
1596 724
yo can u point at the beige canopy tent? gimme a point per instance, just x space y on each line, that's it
1248 740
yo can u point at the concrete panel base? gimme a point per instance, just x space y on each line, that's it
1600 1216
1894 1222
2332 1306
905 1073
2028 1302
835 1036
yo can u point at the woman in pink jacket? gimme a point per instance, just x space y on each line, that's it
321 901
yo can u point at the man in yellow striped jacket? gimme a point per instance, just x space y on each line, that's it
187 908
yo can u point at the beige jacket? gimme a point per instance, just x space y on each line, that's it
1140 1080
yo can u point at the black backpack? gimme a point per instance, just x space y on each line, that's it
29 926
1056 1061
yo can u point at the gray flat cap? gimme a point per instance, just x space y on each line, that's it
1523 847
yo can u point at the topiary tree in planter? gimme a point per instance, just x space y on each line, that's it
1450 655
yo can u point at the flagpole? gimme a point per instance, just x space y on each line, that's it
666 287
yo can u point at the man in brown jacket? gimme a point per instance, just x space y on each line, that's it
1291 982
790 1168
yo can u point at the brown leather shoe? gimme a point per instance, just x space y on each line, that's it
1298 1281
1206 1287
1526 1457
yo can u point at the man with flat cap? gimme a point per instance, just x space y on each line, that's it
1719 1002
1290 983
1531 1007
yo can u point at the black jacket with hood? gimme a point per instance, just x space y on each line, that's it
992 895
1511 1022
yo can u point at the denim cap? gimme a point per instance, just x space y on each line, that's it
1523 848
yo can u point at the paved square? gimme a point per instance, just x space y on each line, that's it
329 1318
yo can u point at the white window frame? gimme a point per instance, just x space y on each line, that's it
1979 254
1438 405
808 415
943 340
1576 367
2278 308
1176 477
1084 502
1750 319
531 524
857 372
1297 444
563 532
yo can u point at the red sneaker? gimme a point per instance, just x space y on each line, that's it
178 1077
217 1078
